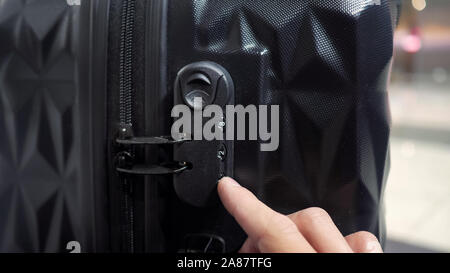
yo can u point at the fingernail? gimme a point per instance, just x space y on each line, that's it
230 181
374 247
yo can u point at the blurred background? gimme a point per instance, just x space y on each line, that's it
418 192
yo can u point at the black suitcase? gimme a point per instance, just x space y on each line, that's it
86 92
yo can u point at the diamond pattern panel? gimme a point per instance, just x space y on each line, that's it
38 95
326 64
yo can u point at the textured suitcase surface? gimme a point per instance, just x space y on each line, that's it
47 141
65 64
326 63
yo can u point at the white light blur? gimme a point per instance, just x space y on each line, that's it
419 4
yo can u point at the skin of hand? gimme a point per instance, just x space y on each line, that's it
308 231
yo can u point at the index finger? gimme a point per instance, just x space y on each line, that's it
270 230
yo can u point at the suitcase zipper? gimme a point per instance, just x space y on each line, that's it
125 113
126 62
126 142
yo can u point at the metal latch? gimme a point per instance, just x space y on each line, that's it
125 161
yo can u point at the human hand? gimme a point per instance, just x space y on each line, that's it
307 231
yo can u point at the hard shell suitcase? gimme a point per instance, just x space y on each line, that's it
87 89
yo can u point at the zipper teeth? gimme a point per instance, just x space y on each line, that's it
126 61
125 107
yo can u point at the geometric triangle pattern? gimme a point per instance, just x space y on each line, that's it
38 103
326 63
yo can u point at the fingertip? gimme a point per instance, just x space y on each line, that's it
232 195
225 182
364 242
229 180
373 247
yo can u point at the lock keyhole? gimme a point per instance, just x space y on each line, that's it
200 86
205 80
